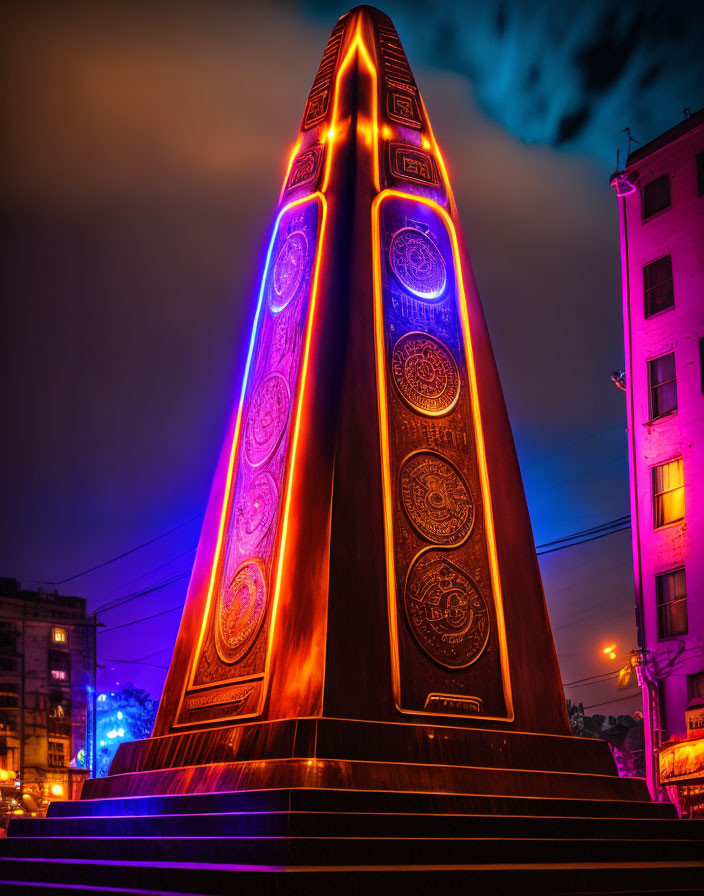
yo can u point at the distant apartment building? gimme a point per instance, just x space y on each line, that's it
661 207
47 678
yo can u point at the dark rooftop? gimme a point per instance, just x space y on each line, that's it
688 124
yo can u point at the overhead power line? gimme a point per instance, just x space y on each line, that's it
143 619
620 520
582 538
118 602
136 662
133 550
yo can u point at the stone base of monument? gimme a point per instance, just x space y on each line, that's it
358 807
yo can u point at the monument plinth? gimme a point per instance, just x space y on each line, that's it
364 688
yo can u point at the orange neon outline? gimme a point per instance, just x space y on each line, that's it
188 680
332 134
385 455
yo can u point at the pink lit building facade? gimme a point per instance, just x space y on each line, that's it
661 211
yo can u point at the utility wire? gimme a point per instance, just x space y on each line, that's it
613 672
619 521
139 547
143 619
563 547
118 602
136 662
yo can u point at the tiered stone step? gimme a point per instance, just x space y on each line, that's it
307 841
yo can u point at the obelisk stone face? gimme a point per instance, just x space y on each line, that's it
366 553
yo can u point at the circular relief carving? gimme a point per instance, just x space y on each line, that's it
436 498
425 374
266 421
254 511
240 612
417 263
289 268
446 611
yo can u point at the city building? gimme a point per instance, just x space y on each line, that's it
47 679
661 207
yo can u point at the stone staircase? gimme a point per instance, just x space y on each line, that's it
317 840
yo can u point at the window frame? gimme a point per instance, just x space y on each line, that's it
652 386
656 494
659 607
661 177
648 290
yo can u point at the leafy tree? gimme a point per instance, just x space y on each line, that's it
122 716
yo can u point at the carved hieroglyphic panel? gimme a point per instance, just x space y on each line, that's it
412 164
449 652
305 168
425 374
227 677
447 612
417 263
402 108
321 91
436 498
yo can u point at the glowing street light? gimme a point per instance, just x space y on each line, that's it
610 651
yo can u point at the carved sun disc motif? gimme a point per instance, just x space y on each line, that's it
425 373
436 498
266 420
447 613
240 613
289 268
417 263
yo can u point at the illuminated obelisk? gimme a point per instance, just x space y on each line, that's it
366 555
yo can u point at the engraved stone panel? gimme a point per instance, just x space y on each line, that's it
435 498
240 612
425 374
288 272
254 511
447 613
402 107
417 264
410 163
305 168
266 422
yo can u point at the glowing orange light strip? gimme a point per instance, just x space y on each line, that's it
357 46
385 452
236 438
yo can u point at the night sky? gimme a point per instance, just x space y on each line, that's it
144 150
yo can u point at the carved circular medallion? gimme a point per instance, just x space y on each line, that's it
254 511
266 421
446 611
436 498
417 263
289 268
425 373
240 612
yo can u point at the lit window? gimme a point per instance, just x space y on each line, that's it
655 196
58 674
657 285
668 493
662 384
671 594
695 686
59 635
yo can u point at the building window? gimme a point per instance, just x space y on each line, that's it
662 385
701 360
59 635
700 174
657 285
56 754
655 196
671 595
668 493
60 665
695 686
9 695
